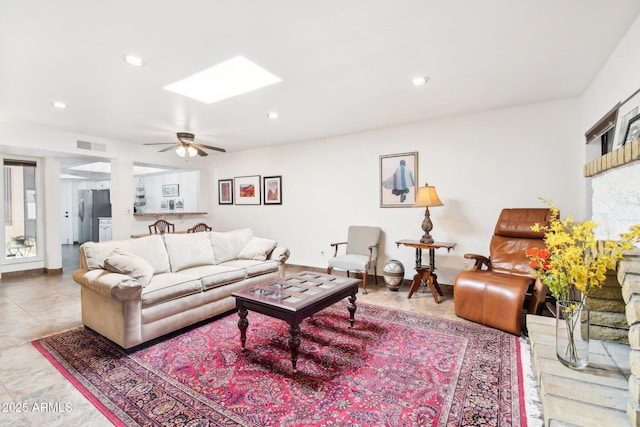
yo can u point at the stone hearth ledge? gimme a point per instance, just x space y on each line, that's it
596 396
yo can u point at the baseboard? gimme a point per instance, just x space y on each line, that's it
32 272
23 273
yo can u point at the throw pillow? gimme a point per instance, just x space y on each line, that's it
257 249
132 265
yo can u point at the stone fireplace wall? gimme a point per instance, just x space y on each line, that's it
629 277
608 320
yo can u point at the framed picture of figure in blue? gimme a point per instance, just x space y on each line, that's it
398 180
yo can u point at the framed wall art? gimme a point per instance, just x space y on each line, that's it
246 190
627 111
272 190
633 129
225 191
398 180
170 190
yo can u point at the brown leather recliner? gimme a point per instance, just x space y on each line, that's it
495 296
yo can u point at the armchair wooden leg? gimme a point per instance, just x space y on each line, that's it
364 282
329 270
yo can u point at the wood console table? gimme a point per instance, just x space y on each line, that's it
425 273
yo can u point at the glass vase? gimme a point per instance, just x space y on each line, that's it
572 334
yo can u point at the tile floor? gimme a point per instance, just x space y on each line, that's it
34 393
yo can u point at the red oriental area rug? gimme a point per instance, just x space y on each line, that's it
393 368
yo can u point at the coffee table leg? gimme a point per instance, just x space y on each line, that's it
243 324
294 343
352 309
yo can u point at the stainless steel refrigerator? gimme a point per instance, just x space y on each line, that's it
92 205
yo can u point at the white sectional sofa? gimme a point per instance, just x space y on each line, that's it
136 290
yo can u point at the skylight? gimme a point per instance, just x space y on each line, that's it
225 80
104 167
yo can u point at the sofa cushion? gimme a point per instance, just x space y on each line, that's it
169 286
257 249
252 267
228 244
213 276
188 250
120 261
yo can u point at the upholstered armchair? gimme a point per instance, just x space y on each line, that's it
361 253
493 292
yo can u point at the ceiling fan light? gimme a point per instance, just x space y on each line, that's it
183 151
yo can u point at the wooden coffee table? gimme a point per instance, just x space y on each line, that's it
293 299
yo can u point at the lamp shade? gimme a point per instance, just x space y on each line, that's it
427 196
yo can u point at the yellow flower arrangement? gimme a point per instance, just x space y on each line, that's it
573 258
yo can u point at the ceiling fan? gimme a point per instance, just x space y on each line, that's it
185 147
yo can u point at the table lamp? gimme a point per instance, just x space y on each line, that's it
427 196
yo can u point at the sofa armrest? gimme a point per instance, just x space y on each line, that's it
279 253
118 286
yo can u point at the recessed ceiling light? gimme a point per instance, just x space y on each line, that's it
225 80
133 60
420 81
273 115
59 105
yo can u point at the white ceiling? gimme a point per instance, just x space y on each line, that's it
346 65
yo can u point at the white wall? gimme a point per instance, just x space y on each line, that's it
617 80
479 163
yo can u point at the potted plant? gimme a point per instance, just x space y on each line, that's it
20 240
572 263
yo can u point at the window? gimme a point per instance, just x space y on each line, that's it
20 209
604 130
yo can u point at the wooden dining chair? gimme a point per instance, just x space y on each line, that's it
161 226
199 227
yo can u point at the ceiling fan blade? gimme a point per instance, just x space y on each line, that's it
159 143
212 148
200 152
166 149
